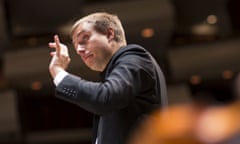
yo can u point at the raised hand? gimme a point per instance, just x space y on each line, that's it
60 57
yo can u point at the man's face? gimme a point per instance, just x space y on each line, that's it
93 47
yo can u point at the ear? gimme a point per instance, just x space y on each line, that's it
110 34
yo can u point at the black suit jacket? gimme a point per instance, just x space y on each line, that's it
132 85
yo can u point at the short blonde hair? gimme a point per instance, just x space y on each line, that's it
101 22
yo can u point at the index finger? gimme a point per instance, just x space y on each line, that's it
58 47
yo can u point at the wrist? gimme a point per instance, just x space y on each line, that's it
54 71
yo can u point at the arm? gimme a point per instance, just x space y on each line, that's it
123 84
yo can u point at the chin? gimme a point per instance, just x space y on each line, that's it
95 68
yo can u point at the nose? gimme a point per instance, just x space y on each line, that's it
80 49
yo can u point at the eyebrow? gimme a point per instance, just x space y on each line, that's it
78 34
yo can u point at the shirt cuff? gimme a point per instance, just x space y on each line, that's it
59 77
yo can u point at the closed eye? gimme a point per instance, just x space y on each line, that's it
85 38
81 38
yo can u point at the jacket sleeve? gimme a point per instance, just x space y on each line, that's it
119 88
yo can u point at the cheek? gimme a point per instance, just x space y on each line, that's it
98 48
99 40
103 55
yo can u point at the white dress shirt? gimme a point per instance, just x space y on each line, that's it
59 77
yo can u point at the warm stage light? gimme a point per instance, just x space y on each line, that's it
147 33
212 19
227 74
36 85
195 80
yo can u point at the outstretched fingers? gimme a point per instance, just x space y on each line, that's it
57 47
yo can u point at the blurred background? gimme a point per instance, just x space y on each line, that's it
196 43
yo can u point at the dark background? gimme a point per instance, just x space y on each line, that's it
198 56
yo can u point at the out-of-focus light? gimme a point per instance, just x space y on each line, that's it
36 85
212 19
147 33
227 74
195 80
218 124
204 29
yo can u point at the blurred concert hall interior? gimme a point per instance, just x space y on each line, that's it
196 43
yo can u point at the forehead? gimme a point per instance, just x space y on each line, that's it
81 28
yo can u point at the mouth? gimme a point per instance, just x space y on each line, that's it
86 57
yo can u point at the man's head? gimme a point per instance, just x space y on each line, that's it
101 22
97 37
